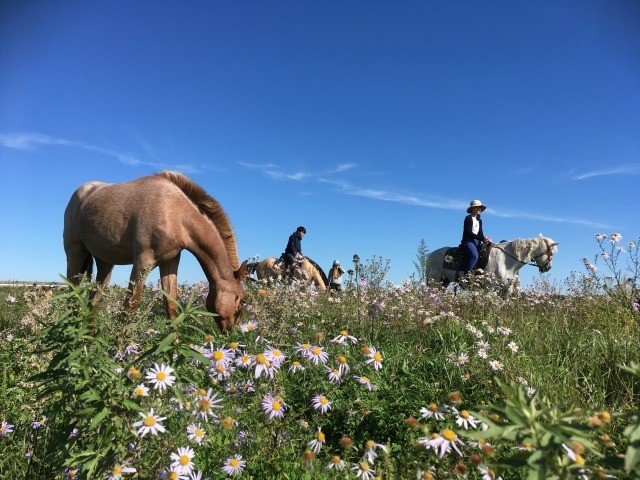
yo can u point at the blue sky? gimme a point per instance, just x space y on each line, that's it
371 123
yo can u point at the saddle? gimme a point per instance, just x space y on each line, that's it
456 257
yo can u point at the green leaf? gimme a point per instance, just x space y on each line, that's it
98 418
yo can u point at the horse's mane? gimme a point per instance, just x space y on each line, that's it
208 206
322 274
523 247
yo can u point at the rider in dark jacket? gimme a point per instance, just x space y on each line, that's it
472 234
294 246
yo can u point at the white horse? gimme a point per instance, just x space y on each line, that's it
505 260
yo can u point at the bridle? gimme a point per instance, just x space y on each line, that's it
542 268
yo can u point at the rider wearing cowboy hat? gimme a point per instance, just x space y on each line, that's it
472 234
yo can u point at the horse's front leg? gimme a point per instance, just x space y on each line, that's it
139 272
169 281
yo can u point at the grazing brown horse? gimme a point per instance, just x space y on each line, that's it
147 223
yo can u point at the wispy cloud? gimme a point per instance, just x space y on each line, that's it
29 141
280 173
627 169
449 204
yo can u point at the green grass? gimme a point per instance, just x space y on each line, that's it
570 349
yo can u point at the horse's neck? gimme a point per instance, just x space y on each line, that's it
312 273
209 249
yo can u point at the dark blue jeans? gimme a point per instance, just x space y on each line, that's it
471 249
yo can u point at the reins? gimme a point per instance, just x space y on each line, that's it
528 262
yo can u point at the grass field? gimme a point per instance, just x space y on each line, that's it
415 384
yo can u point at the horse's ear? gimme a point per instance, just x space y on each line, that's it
242 272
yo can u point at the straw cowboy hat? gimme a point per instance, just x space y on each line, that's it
476 203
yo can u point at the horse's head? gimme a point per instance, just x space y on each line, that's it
544 256
226 298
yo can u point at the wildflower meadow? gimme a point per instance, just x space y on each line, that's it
378 381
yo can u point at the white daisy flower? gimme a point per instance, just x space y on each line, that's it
317 355
236 346
363 470
442 443
160 377
370 450
172 474
461 359
221 372
234 465
375 358
273 406
264 366
296 367
221 356
141 391
6 428
303 349
504 331
343 366
275 355
248 326
344 338
150 423
465 419
196 433
196 475
483 353
483 345
205 405
366 382
513 346
118 470
182 460
488 474
496 365
316 444
321 403
334 375
244 360
337 463
433 411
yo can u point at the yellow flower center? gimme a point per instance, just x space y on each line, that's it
342 359
320 437
344 333
306 346
365 350
149 421
276 406
316 350
221 369
244 359
335 459
134 372
202 392
219 355
198 432
366 379
234 462
276 353
296 364
205 404
173 475
432 407
251 327
324 400
161 376
579 460
370 444
261 359
184 460
139 391
335 372
449 434
434 436
233 345
116 470
464 414
364 466
377 357
227 423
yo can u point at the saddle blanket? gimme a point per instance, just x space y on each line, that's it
456 257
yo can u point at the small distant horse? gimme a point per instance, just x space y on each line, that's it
504 262
307 271
147 223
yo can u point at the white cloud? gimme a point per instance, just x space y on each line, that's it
627 169
29 141
449 204
281 173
